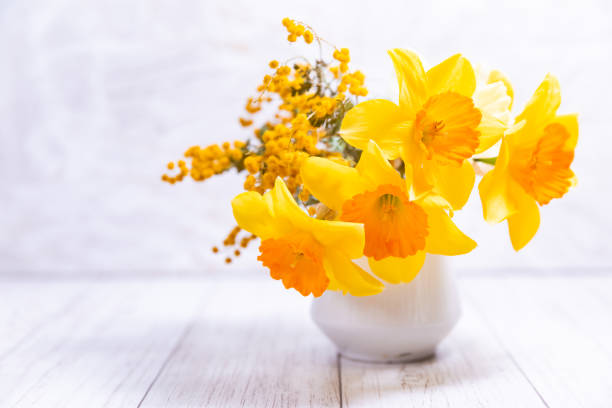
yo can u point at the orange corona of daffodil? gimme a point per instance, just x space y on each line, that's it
307 254
440 122
399 228
533 166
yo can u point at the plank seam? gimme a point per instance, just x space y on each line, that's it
507 351
166 361
339 370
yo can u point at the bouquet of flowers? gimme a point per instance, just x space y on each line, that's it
330 179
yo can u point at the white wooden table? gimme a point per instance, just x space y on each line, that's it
522 342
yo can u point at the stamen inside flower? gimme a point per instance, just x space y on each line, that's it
445 129
544 171
394 226
297 260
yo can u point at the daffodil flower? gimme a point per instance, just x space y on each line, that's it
533 166
493 96
307 254
399 227
439 123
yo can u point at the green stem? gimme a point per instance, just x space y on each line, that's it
488 160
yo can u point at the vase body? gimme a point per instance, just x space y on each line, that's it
404 322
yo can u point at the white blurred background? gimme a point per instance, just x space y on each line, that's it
96 96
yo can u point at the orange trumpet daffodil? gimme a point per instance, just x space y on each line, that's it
399 227
440 122
307 254
533 166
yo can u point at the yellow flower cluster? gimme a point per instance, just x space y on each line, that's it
297 30
231 239
286 148
310 100
353 82
206 162
183 171
343 56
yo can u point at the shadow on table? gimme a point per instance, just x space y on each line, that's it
456 363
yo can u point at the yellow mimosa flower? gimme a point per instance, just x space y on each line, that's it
439 123
399 227
307 254
533 166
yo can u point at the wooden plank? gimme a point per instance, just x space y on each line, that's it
105 351
521 341
471 369
595 309
254 345
557 330
26 307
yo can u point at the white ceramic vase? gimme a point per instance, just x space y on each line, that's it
403 323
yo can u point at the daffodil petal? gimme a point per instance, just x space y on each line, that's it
444 237
379 120
494 103
454 184
286 208
254 214
496 206
421 179
491 131
348 277
524 224
574 181
453 74
346 237
570 122
542 107
398 270
375 168
497 189
411 79
331 183
333 283
498 76
436 200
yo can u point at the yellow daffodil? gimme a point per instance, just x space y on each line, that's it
439 123
533 166
493 96
307 254
399 228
